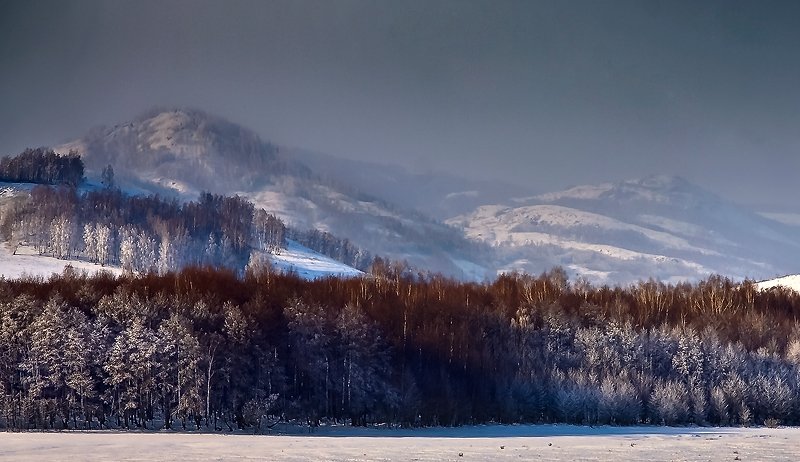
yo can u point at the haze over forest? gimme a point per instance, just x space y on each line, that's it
539 94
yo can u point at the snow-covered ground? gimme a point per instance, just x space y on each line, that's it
27 262
790 282
491 443
309 264
303 261
662 227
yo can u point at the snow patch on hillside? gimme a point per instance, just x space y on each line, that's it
295 259
27 262
309 264
536 224
15 189
790 282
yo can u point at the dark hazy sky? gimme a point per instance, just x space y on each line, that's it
538 92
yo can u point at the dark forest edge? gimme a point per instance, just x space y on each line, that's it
207 349
42 166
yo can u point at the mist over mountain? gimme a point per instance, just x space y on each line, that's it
180 148
662 227
182 152
438 194
659 226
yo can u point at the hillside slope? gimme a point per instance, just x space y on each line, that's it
182 152
789 282
662 227
437 194
26 261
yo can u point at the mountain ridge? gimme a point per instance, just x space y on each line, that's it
658 226
675 229
184 150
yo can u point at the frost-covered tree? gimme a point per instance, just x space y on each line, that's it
269 232
104 240
90 242
619 402
147 253
669 402
128 252
63 231
180 378
132 370
365 366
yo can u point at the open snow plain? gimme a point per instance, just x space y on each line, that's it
495 443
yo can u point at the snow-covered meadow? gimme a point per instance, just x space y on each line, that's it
27 262
294 258
496 443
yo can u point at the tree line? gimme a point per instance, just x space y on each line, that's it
210 349
141 234
151 233
43 166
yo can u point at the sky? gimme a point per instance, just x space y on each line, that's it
545 94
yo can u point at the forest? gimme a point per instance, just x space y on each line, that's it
43 166
152 234
210 349
200 333
143 234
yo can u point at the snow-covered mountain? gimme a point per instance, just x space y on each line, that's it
660 226
181 152
789 282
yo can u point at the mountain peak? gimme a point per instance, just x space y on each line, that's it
203 149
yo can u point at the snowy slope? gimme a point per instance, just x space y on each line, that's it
27 262
185 151
295 259
790 282
309 264
8 190
440 194
661 226
181 152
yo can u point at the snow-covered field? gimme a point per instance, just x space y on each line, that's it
303 261
27 262
495 443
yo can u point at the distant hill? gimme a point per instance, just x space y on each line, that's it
181 152
789 282
437 194
660 226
